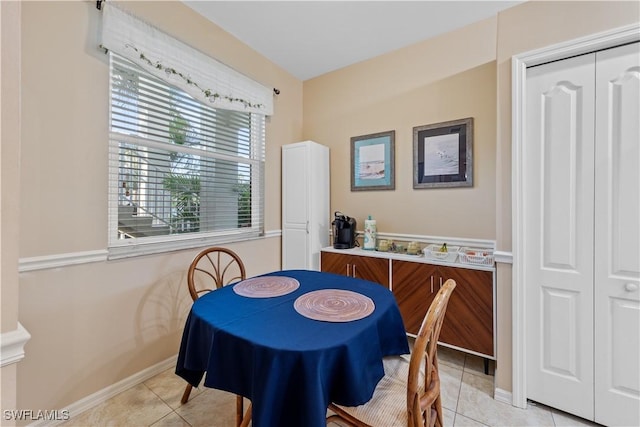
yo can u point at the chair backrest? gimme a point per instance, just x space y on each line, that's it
214 268
421 396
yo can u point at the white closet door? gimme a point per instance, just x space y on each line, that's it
617 238
559 185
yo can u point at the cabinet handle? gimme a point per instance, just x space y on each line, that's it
348 272
354 270
630 287
440 282
307 227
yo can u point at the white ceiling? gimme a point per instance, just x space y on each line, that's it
310 38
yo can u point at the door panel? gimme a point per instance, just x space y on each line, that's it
334 263
295 180
617 239
468 322
362 267
295 247
560 316
414 286
558 180
560 129
373 269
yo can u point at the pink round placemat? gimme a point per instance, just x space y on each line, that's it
266 287
334 305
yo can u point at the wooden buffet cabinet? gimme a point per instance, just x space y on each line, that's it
469 323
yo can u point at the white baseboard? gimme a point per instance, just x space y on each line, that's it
503 396
108 392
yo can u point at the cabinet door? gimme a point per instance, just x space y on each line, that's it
369 268
362 267
468 322
295 207
414 286
334 263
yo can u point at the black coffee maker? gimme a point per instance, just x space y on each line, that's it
344 231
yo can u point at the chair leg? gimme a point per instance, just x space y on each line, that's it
187 392
239 410
244 422
242 418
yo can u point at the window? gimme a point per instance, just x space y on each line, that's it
181 172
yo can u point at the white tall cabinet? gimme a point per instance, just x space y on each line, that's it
305 204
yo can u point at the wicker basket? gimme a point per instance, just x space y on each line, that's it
476 256
433 252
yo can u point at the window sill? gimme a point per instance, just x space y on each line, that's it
134 247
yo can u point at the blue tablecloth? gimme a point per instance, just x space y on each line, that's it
289 366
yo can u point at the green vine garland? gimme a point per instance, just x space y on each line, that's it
208 93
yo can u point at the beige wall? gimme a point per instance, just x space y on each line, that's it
9 187
95 324
9 157
445 78
465 73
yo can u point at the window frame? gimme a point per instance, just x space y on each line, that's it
123 248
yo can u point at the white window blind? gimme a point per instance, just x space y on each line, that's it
181 172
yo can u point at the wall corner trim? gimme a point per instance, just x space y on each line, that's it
272 233
61 260
47 262
12 345
503 257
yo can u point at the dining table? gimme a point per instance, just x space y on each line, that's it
292 342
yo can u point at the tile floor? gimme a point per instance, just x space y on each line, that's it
467 401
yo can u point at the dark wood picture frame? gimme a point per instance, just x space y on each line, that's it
443 154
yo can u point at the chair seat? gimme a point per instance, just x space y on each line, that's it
400 398
388 406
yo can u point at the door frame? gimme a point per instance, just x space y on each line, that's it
519 64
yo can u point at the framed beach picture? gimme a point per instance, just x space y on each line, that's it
373 161
443 154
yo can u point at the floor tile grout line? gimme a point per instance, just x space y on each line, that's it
183 419
464 371
172 412
161 399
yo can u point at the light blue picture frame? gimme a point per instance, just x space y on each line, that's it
373 161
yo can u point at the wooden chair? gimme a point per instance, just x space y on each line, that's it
212 269
413 377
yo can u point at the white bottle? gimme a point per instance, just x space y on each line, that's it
370 234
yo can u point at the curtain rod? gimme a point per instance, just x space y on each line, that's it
99 7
